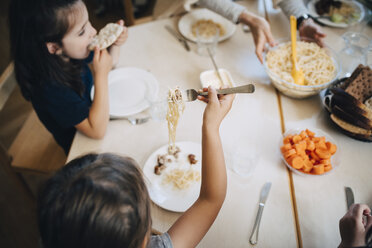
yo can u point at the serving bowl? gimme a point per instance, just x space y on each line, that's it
335 158
294 90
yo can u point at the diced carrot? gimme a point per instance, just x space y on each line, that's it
307 153
296 139
286 147
304 156
296 162
287 139
303 144
327 167
289 153
289 159
325 161
317 139
331 147
310 145
321 145
311 134
307 166
314 156
322 153
303 134
300 149
318 169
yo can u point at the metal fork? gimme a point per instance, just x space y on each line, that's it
132 120
191 94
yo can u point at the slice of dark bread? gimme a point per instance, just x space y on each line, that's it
349 104
352 118
368 103
355 73
360 86
352 130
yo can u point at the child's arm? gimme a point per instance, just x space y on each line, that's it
115 48
95 124
191 227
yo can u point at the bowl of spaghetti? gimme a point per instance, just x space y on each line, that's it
319 65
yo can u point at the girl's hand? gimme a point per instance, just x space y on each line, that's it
217 107
123 36
354 226
102 62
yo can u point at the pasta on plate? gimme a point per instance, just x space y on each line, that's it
173 167
207 28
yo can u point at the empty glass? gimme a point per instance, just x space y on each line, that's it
354 52
243 158
207 40
158 105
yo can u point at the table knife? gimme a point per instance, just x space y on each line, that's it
178 37
263 197
349 197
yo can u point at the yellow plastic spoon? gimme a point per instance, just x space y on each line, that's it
297 73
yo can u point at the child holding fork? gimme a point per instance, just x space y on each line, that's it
100 200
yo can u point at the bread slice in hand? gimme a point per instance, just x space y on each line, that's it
106 36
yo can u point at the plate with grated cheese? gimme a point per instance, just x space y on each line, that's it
173 178
205 17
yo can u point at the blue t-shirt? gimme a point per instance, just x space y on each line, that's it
60 108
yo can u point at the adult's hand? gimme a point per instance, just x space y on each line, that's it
310 30
354 226
261 31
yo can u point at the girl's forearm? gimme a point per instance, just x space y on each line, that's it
213 166
99 111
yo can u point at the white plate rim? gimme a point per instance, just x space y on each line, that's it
185 22
148 170
151 83
312 11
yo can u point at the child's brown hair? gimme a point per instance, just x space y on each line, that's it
97 200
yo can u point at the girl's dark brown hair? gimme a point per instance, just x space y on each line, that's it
33 23
95 201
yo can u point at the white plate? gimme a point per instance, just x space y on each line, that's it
186 22
167 196
128 87
357 6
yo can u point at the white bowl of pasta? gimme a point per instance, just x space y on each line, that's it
320 67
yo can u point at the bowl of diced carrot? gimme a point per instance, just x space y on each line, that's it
309 152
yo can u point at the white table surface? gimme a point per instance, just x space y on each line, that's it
252 125
321 200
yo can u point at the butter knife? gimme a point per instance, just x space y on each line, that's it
178 37
263 197
349 197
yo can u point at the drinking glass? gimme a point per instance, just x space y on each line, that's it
243 158
207 39
158 105
354 52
